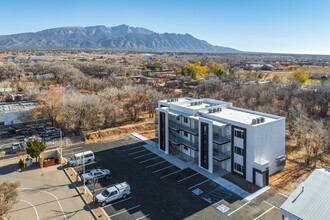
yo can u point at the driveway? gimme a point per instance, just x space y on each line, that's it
43 193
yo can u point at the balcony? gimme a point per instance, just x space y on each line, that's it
178 140
220 156
219 139
175 126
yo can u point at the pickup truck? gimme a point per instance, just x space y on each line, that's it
114 192
96 173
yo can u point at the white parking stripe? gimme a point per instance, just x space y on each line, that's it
142 155
264 213
238 208
149 159
118 213
171 174
132 148
187 178
156 164
35 209
137 152
117 202
142 217
164 168
199 184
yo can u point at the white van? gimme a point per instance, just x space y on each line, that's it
114 192
77 159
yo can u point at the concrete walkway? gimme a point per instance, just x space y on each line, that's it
152 146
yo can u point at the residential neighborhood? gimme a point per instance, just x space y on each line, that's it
164 110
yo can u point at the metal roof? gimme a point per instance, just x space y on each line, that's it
311 200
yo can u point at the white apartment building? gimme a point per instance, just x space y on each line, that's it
217 136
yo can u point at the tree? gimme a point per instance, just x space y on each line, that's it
50 108
8 197
35 147
196 71
300 75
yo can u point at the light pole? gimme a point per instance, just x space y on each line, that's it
84 189
61 145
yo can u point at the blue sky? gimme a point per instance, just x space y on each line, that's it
282 26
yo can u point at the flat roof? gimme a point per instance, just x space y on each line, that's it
225 111
311 199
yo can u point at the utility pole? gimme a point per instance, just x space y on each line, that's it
61 145
84 189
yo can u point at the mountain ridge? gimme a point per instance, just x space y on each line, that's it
102 37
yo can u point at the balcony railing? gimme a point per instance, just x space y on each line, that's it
178 140
221 156
219 139
182 127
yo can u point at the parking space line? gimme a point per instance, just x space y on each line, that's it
264 213
238 208
125 211
199 184
35 209
187 178
164 168
271 204
142 217
117 202
171 174
137 152
148 159
156 164
132 148
142 155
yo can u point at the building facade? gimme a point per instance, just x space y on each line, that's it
219 137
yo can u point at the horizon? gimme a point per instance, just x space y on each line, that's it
252 29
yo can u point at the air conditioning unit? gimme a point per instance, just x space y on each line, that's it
210 110
262 119
254 121
258 120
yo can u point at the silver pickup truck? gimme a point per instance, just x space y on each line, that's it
96 173
114 192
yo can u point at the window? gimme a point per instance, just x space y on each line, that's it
238 167
239 151
185 134
185 120
185 147
239 133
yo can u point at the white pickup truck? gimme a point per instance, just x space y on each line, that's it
114 192
96 173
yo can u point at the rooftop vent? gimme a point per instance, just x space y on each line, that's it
172 100
254 121
258 120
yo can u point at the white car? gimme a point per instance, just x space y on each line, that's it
114 192
80 158
96 174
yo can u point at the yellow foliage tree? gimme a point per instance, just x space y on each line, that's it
300 75
214 67
196 71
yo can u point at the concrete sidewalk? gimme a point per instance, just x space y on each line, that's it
152 146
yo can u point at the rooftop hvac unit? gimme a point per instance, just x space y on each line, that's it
214 110
210 110
262 119
199 102
168 100
254 121
219 109
258 120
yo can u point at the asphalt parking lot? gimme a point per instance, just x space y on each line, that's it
161 190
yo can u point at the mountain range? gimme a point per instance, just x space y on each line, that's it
121 37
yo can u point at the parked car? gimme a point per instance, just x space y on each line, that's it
40 128
49 129
32 138
15 147
96 173
78 158
48 142
114 192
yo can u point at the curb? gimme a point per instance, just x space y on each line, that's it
81 196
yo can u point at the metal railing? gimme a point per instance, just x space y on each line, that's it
179 140
182 127
221 156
